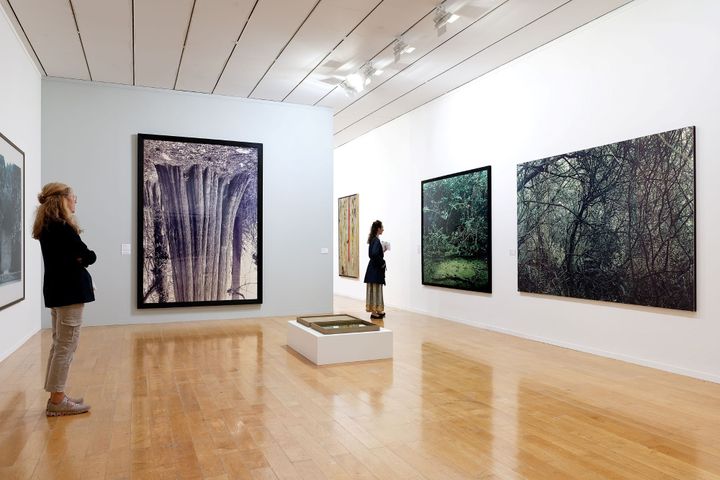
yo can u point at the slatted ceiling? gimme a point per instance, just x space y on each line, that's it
545 29
423 37
106 29
280 58
160 28
215 27
391 18
498 24
270 28
327 26
50 27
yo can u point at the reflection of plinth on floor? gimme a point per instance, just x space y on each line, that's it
324 349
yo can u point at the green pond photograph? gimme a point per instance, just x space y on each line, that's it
456 236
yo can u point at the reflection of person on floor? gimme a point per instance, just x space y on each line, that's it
67 287
375 273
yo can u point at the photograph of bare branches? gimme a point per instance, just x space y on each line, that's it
456 236
12 190
614 223
348 236
199 222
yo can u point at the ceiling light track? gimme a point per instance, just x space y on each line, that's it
17 19
227 60
82 45
182 52
283 49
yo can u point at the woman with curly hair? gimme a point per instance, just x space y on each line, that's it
67 287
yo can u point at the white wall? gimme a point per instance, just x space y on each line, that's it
20 122
90 140
648 67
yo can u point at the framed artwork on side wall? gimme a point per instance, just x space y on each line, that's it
456 231
12 223
199 222
348 236
614 223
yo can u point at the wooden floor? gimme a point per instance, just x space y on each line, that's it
226 400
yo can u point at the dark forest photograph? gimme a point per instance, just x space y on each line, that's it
456 235
199 222
614 223
12 281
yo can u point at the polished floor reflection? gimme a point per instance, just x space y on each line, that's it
227 400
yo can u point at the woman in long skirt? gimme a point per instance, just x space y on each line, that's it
375 273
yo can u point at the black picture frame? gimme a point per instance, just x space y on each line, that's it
613 223
12 223
199 222
445 246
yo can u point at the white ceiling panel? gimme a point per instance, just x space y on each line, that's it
160 28
215 27
390 19
50 28
500 23
270 28
106 30
326 27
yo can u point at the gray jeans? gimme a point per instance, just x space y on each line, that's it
66 322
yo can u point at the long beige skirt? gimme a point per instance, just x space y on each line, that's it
374 302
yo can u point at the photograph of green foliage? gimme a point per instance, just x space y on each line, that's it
614 223
456 235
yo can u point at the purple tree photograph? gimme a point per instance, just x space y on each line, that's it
199 222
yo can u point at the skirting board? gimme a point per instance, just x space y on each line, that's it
580 348
339 348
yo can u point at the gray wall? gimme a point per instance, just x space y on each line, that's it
89 141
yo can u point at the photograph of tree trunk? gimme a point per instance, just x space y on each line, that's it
199 222
613 223
348 236
12 190
456 235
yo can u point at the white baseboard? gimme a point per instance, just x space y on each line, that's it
572 346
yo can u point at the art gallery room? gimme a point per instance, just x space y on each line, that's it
359 239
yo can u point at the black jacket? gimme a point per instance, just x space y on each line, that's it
375 272
65 256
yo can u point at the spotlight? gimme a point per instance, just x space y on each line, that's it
442 18
401 48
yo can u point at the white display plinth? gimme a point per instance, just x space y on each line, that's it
340 347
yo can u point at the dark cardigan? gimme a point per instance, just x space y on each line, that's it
65 256
375 272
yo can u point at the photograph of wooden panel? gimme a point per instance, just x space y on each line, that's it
199 222
613 223
348 236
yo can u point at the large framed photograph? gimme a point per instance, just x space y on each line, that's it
614 223
348 236
12 223
456 233
199 222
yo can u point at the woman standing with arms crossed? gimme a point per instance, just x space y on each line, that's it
67 286
375 273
